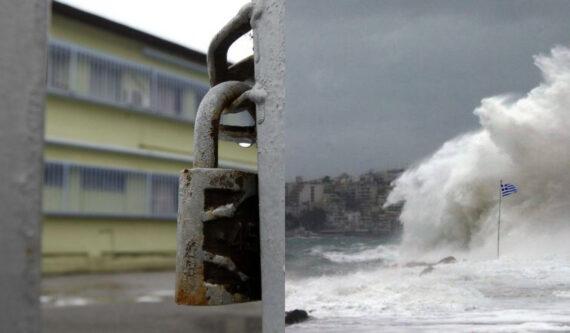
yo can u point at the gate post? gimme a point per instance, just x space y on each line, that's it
23 40
268 40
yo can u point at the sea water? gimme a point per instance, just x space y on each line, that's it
350 284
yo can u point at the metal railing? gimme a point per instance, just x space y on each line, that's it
71 189
82 73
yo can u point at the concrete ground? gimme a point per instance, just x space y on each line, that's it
134 302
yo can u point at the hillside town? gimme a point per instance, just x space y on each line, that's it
350 205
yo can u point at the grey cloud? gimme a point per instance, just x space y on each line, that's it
381 84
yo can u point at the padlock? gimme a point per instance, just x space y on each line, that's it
218 255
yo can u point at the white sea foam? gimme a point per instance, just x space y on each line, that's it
359 255
500 293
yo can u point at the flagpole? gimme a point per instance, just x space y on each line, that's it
499 220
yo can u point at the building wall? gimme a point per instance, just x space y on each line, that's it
89 36
116 226
84 121
89 245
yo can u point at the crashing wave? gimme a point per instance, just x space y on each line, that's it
451 198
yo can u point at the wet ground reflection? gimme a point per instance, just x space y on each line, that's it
134 302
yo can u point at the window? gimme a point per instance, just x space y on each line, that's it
58 67
199 92
103 180
97 77
164 195
105 80
135 85
53 174
169 96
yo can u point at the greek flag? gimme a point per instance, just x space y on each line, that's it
508 189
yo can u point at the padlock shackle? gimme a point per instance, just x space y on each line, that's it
238 26
207 124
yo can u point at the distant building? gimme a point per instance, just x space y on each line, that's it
303 196
351 204
311 195
335 207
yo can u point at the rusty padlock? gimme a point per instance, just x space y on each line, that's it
218 255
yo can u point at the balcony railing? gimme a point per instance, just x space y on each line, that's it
85 74
71 189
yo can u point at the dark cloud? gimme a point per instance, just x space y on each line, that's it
381 84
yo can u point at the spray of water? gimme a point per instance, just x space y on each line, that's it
451 198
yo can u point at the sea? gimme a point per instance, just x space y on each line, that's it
362 284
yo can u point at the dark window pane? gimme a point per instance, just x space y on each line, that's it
103 180
58 67
164 195
105 80
53 174
170 94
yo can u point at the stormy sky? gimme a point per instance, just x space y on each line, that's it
378 84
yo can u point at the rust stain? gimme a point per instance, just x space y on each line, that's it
186 293
185 297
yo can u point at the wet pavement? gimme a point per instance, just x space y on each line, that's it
134 302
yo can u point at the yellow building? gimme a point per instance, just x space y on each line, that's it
119 128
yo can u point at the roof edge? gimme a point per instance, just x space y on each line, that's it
129 32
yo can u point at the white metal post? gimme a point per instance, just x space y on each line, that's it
23 37
268 38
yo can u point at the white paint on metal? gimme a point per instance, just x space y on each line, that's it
23 32
268 39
